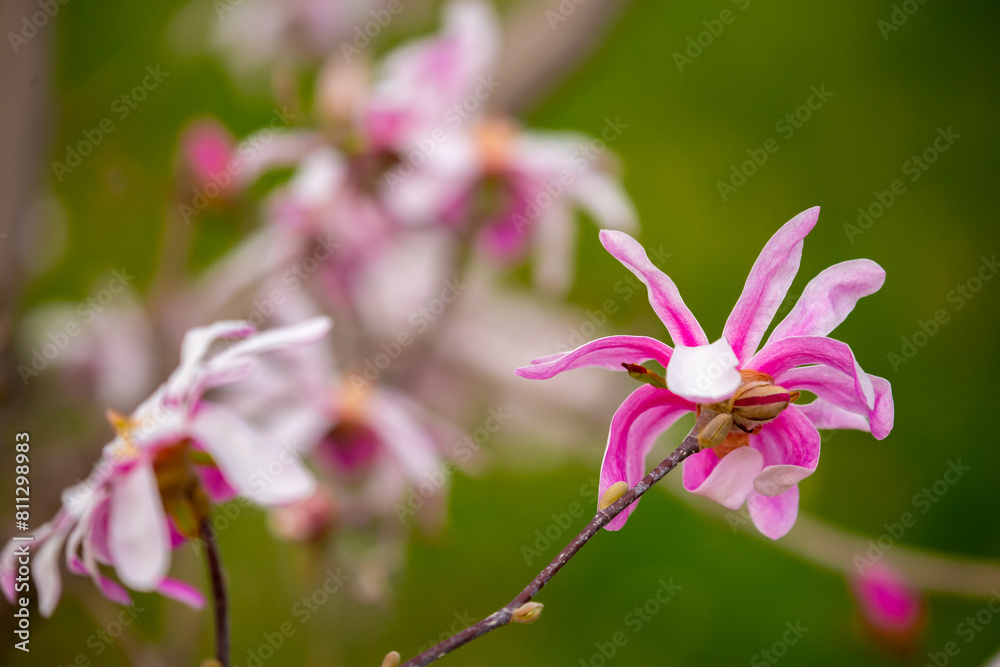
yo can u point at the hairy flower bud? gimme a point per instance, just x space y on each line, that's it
716 430
612 494
762 403
527 612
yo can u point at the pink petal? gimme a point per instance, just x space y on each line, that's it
195 346
829 298
270 473
781 356
138 537
839 389
554 247
215 484
604 199
827 416
663 295
45 573
609 353
704 374
182 592
767 284
644 415
281 338
790 445
774 516
403 436
729 480
109 588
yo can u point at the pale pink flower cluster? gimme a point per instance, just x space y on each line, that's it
117 517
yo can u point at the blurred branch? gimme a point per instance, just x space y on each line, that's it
23 134
836 549
542 46
220 600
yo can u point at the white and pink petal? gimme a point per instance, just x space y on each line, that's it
771 276
645 414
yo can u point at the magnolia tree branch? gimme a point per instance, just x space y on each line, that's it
220 600
506 614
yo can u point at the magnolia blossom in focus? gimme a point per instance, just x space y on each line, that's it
757 443
152 485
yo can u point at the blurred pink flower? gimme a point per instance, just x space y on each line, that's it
305 520
519 188
890 607
418 83
206 150
119 515
109 359
371 442
259 36
776 443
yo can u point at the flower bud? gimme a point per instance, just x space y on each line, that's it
716 430
391 659
642 374
612 494
527 612
762 403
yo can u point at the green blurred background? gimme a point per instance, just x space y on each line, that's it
685 129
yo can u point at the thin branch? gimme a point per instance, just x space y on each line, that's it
213 558
504 615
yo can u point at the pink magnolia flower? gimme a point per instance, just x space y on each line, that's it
762 444
371 442
419 86
520 188
259 36
123 515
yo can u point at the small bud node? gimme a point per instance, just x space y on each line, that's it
612 494
527 612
